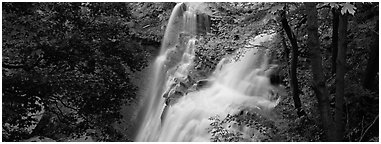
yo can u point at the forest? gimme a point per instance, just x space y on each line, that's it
82 71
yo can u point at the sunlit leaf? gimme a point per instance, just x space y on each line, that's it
347 7
276 8
334 4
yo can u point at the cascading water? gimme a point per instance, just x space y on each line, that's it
234 86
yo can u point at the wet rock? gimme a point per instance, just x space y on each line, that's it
202 84
173 97
164 113
203 23
177 90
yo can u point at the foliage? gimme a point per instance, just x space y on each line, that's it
220 134
71 61
345 7
362 27
356 68
149 19
233 25
243 126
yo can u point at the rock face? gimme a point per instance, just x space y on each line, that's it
182 82
201 84
180 88
177 90
203 23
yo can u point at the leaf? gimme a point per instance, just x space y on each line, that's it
276 8
322 4
348 7
292 7
334 5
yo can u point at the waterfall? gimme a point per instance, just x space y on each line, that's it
234 86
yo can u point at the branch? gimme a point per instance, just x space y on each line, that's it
63 115
256 46
374 121
23 66
58 115
301 22
8 66
66 105
324 6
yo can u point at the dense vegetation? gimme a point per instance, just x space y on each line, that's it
74 61
68 67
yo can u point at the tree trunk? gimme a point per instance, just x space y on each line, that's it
335 34
294 59
372 66
340 73
284 44
318 83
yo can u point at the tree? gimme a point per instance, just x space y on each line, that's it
340 73
372 66
73 63
294 59
318 82
335 34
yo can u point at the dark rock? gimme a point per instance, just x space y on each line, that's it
173 97
202 84
164 113
203 24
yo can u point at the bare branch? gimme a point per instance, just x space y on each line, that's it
9 66
324 6
374 121
63 115
66 105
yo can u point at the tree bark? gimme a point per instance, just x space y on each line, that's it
318 83
286 50
335 34
294 59
340 73
372 66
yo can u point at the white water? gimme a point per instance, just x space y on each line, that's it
235 86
